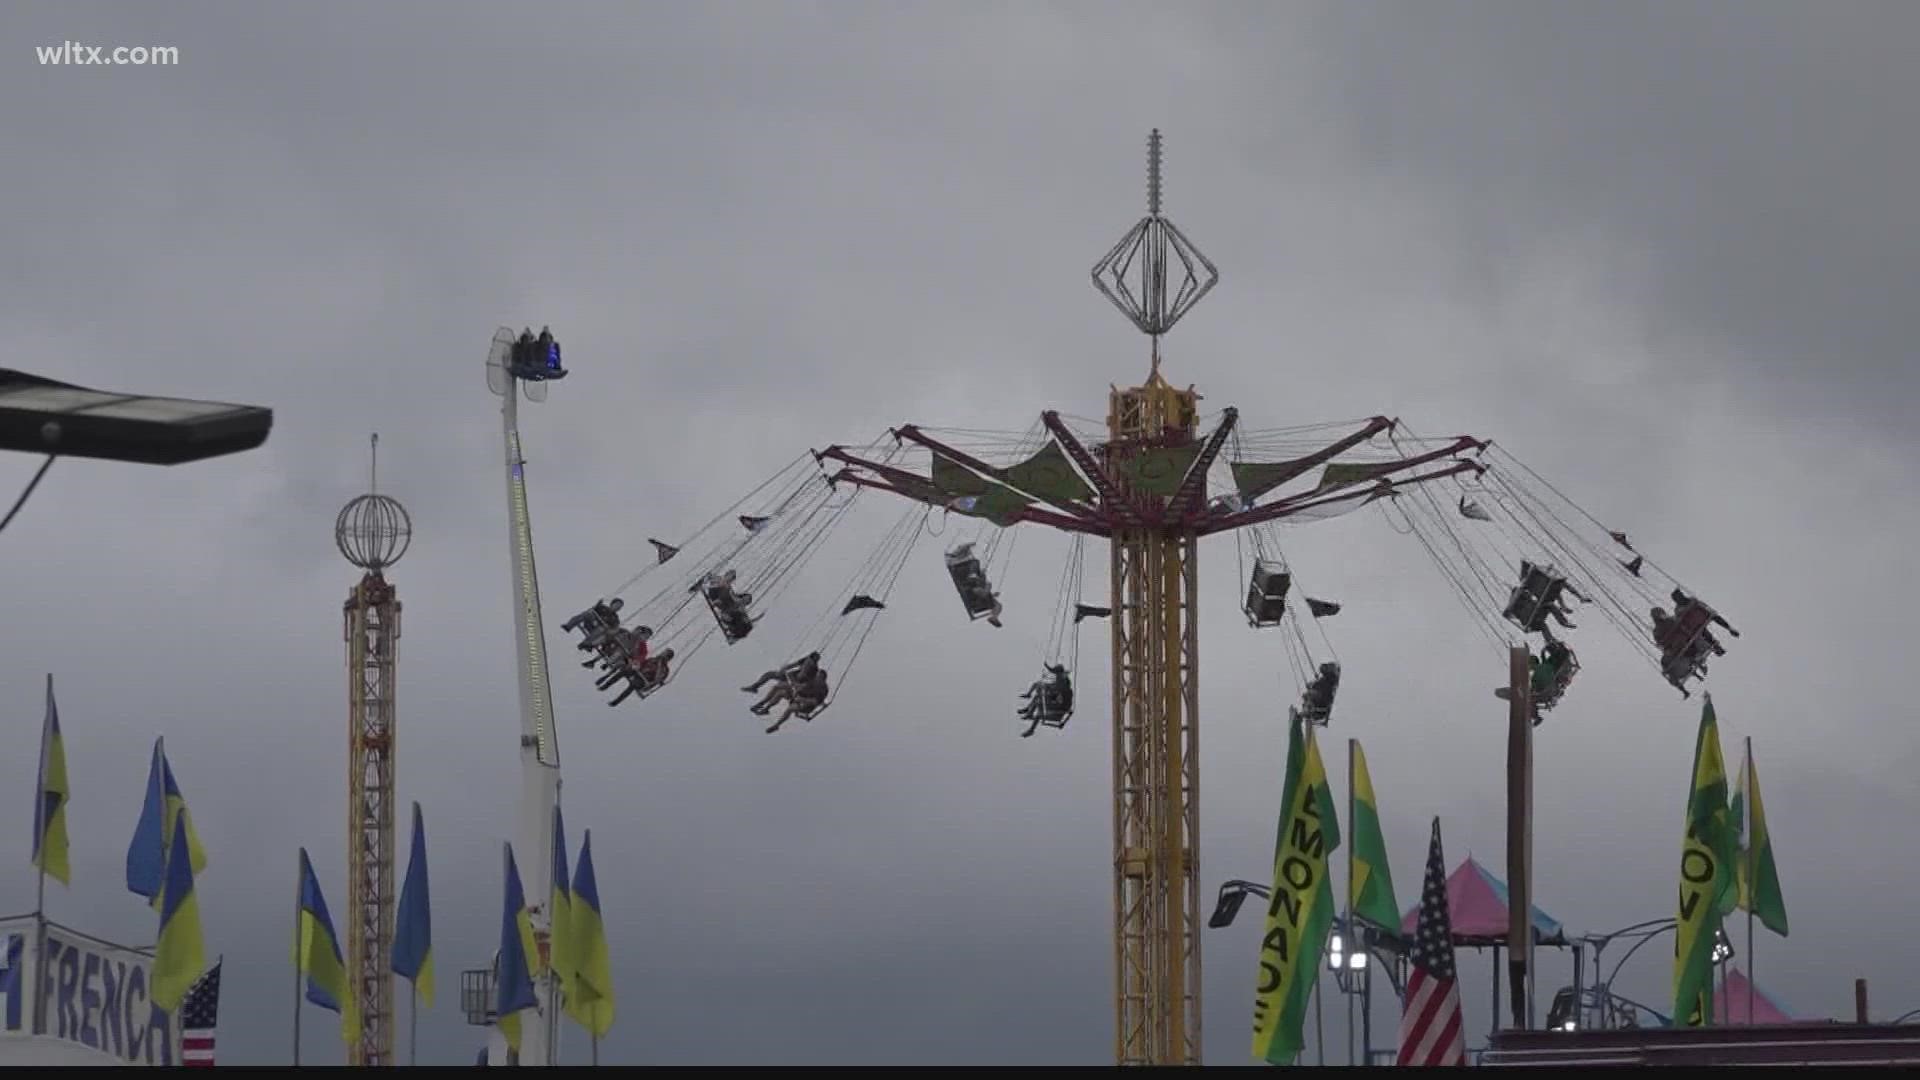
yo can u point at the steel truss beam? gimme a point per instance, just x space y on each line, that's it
1156 786
373 632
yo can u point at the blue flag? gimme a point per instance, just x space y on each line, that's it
147 854
413 920
519 956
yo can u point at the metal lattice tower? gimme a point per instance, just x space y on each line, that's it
1145 490
373 532
1156 751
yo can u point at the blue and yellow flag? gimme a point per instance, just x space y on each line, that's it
147 854
50 798
559 911
180 955
519 958
413 920
591 1003
316 954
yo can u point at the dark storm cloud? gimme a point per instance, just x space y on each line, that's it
1745 163
1631 244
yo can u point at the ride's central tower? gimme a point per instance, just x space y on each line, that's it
373 532
1155 581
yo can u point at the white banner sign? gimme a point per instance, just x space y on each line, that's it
93 995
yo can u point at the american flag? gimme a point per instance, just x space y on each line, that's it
199 1015
1430 1021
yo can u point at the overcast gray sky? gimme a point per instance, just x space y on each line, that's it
1663 253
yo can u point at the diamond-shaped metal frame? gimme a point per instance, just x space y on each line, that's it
1148 306
1148 243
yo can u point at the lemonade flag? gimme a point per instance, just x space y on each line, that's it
1300 911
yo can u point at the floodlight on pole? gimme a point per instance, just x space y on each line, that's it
1339 958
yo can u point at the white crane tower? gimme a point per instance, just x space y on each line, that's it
529 361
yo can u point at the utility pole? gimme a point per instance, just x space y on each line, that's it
1520 834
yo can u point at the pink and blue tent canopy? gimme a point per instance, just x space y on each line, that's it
1477 906
1730 1002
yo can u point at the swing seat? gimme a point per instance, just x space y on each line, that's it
1047 705
1057 722
1266 594
971 581
735 624
597 626
1531 602
1546 696
642 681
597 620
1054 708
806 707
1683 647
1316 702
610 650
1683 637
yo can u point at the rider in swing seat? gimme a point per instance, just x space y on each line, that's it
1317 701
596 623
975 592
786 681
645 677
1680 659
808 694
1048 697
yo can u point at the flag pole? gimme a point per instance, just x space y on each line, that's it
413 1025
1366 1012
1746 829
596 1050
1353 936
1519 836
1319 1030
40 888
299 959
553 944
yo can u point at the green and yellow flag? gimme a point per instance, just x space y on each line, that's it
1372 882
1301 909
1707 880
1759 889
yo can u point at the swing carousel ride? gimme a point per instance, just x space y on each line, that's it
1152 480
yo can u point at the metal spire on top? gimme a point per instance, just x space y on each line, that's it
1141 295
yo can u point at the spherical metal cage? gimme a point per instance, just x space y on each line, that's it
373 531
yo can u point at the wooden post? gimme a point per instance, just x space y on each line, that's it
1860 1001
1519 835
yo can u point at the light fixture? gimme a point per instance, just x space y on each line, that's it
40 415
1233 894
1560 1016
1340 959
